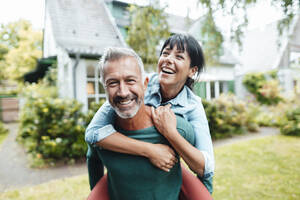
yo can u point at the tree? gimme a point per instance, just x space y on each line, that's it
238 11
20 46
148 27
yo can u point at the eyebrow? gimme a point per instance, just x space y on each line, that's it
178 51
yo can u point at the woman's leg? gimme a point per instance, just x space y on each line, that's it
192 188
100 191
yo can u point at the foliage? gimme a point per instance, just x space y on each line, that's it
265 168
265 87
20 46
239 18
52 128
211 39
292 123
3 130
148 27
228 116
94 107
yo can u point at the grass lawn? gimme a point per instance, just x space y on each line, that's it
267 168
75 188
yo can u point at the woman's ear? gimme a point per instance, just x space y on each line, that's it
193 71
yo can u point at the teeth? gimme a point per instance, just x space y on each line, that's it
166 70
124 102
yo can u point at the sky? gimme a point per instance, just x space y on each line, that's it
33 10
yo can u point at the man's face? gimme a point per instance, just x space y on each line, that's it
124 86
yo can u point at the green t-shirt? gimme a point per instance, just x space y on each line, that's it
135 177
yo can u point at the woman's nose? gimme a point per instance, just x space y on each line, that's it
170 59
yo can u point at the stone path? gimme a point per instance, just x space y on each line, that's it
14 166
263 132
15 171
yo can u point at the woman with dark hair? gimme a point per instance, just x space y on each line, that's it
169 91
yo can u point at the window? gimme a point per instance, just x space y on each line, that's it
94 88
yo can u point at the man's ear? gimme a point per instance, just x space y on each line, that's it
193 71
146 81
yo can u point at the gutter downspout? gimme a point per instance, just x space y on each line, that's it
74 74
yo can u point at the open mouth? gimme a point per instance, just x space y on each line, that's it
167 70
125 101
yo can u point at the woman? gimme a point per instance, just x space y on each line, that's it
181 61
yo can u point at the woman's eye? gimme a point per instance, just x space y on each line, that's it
165 53
179 57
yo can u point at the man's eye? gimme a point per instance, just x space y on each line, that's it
112 84
131 81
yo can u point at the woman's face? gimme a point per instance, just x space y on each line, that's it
174 67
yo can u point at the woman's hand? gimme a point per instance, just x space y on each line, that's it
164 120
162 156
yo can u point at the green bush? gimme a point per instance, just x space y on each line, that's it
228 116
3 130
265 87
52 129
291 126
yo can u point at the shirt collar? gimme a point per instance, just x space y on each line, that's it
181 99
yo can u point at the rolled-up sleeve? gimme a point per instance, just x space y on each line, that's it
101 125
199 122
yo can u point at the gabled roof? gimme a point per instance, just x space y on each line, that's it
260 47
83 26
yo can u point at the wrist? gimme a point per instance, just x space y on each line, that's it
146 152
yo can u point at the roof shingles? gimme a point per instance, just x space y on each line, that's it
83 26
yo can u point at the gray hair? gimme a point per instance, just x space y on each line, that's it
116 53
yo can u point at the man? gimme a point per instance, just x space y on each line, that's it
130 176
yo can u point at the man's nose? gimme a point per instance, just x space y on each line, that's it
123 90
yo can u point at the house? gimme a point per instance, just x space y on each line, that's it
216 79
76 32
219 77
262 52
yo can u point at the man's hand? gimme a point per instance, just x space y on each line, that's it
164 120
162 156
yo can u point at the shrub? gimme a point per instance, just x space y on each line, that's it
52 129
228 116
3 130
291 126
265 87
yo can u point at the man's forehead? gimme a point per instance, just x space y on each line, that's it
124 65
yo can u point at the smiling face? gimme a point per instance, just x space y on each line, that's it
124 86
174 68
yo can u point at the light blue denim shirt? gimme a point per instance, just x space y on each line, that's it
186 104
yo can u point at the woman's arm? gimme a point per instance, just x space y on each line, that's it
165 121
101 132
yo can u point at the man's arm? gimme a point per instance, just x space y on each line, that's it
100 132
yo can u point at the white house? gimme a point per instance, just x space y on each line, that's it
77 31
261 52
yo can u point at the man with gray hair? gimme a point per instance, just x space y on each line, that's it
134 176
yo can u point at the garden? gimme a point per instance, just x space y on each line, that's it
52 131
